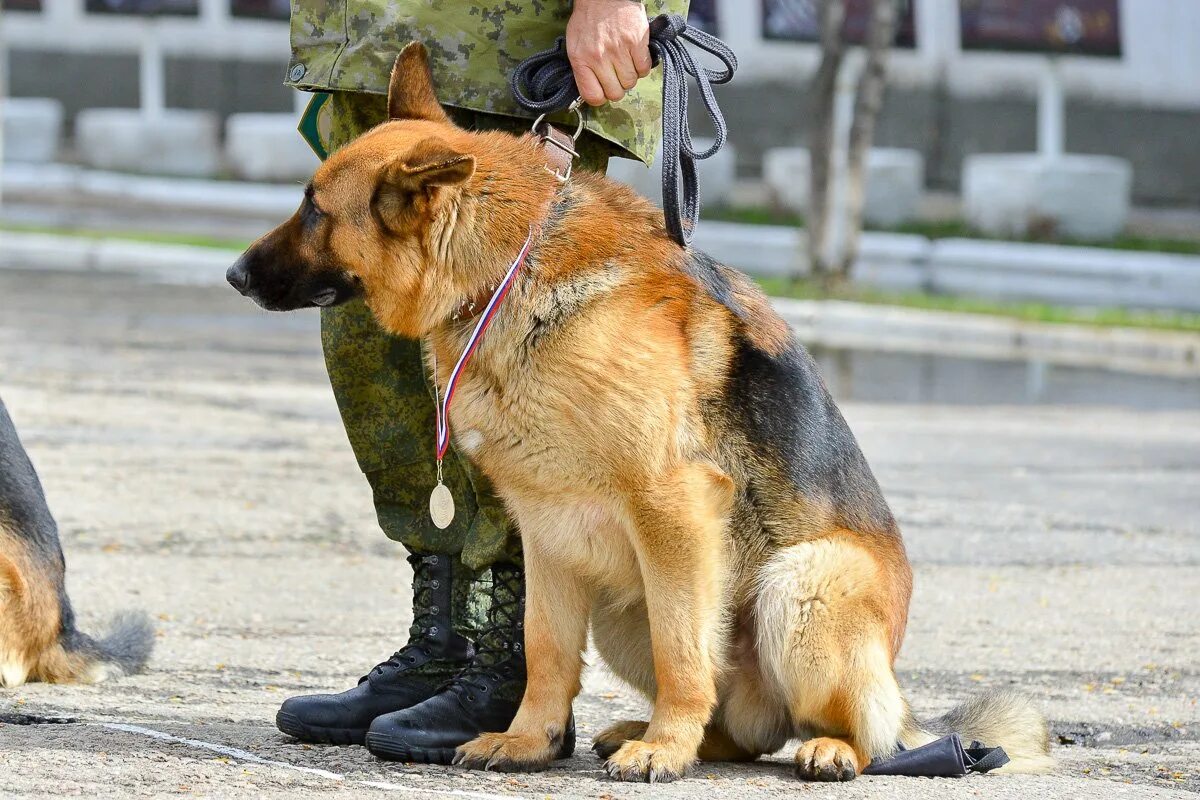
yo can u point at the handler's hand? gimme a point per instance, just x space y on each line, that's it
608 43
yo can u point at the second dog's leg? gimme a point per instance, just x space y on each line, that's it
679 542
556 617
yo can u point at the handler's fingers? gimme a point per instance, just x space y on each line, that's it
627 73
607 75
643 62
589 87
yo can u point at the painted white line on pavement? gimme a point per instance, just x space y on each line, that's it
243 755
232 752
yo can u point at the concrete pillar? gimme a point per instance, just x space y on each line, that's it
1075 196
895 182
32 128
267 147
1051 110
152 82
177 142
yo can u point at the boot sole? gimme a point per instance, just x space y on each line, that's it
389 749
385 747
294 727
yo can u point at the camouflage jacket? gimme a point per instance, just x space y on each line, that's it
349 45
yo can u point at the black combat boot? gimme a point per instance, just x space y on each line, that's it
435 651
483 698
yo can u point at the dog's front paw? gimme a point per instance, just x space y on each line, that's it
649 761
611 738
826 759
506 752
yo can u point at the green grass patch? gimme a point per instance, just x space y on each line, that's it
958 229
196 240
1030 312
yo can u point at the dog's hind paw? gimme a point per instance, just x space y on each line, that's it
611 738
649 762
505 752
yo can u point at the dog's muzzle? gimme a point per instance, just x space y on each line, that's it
277 289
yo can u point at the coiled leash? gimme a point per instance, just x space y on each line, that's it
544 84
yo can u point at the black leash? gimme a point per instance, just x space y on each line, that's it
946 757
544 83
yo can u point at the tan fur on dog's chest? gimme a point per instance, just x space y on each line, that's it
551 488
607 396
568 428
590 539
532 432
510 429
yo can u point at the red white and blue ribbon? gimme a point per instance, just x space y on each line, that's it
485 319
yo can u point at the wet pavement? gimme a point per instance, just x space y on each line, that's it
937 379
191 450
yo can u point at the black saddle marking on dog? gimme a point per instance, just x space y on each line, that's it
716 279
787 414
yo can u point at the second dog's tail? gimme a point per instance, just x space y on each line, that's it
995 719
128 642
123 650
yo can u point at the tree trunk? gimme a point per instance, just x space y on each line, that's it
820 147
881 31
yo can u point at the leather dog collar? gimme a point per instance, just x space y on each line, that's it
558 147
469 308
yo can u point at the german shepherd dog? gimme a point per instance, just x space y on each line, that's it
38 638
681 478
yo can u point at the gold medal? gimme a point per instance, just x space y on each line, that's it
441 506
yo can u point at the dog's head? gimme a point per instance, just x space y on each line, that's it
384 216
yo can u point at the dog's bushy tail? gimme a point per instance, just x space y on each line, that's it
995 719
124 649
128 642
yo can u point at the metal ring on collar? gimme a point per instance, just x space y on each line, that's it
573 108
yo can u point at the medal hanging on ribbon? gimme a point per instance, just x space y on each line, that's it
441 501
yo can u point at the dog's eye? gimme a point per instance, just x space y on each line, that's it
310 194
310 212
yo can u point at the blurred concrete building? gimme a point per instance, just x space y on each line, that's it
230 56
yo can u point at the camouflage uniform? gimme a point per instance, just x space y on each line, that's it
349 46
346 48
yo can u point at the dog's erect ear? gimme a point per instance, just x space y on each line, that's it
430 164
410 93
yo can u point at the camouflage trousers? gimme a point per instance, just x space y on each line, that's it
386 402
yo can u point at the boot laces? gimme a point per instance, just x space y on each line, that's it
426 626
499 650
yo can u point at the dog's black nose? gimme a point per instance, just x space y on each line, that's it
238 276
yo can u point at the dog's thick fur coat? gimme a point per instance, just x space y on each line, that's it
38 638
681 477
